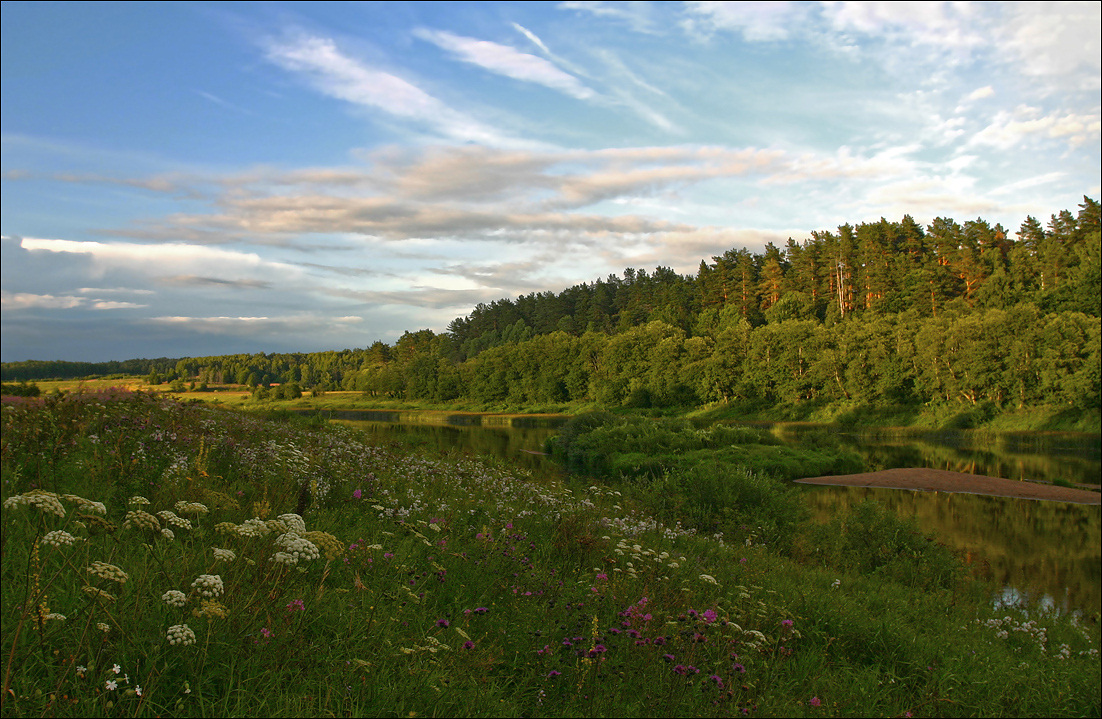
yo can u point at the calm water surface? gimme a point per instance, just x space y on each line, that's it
1046 554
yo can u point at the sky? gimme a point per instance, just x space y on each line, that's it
192 179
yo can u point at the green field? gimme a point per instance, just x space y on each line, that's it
175 559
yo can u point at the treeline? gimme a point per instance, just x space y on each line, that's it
880 313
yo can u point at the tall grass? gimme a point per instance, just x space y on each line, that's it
175 560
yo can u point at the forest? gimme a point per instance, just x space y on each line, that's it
884 313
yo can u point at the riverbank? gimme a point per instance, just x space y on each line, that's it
939 480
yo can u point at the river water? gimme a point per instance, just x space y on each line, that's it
1042 554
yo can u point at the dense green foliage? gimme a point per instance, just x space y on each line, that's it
885 314
308 572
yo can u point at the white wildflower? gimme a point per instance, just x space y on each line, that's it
59 538
180 634
208 585
174 598
103 570
224 555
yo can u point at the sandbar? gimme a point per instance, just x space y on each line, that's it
940 480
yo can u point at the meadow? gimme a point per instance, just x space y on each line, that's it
169 558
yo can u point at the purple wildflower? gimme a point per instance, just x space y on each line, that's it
815 701
443 623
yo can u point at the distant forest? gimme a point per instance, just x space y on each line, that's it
884 313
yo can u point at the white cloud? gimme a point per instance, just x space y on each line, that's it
507 61
951 25
26 300
1009 129
755 21
12 301
1061 41
981 93
340 76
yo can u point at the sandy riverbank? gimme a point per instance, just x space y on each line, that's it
939 480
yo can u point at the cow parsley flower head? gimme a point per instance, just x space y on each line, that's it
103 570
180 635
59 538
293 522
140 519
191 508
174 598
224 555
298 548
208 585
46 502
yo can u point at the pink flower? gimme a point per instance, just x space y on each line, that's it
357 494
815 701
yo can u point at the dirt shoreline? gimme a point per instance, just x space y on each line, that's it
940 480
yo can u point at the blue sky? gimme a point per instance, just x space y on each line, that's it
196 179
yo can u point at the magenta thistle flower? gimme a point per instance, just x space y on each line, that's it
468 644
815 701
443 623
357 494
787 623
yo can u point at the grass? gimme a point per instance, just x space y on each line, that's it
448 584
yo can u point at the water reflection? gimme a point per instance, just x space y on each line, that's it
1043 554
1045 456
520 445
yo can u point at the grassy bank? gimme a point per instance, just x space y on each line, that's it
954 415
179 560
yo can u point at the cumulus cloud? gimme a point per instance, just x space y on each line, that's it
507 61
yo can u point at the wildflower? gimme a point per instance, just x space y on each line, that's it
296 547
815 702
837 583
180 634
174 598
787 624
168 534
55 616
709 578
208 585
293 522
111 685
47 502
59 538
357 494
103 627
98 593
468 645
211 608
138 689
117 669
141 519
551 674
191 508
680 669
86 505
709 616
719 682
224 555
138 500
738 668
81 670
442 623
296 606
668 657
